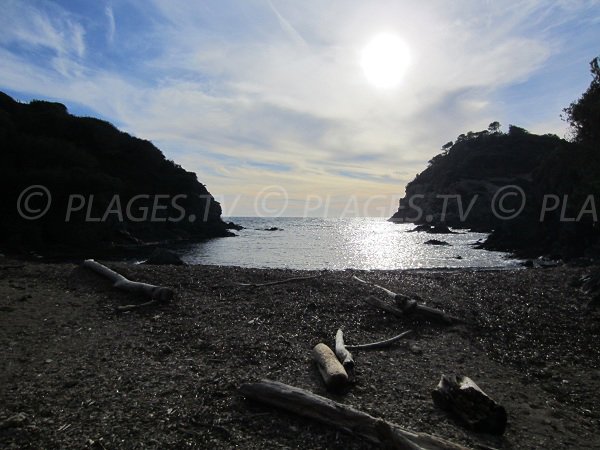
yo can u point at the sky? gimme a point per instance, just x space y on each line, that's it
267 100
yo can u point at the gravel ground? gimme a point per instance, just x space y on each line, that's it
76 374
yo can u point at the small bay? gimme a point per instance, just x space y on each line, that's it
342 243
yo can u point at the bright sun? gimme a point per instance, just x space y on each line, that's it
384 60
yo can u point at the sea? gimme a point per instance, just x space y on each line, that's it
365 243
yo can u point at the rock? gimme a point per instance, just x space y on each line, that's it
594 303
415 349
426 228
458 257
162 256
546 263
273 229
440 228
234 226
590 284
435 242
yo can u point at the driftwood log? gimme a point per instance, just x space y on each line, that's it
342 416
473 407
157 294
330 368
404 305
343 354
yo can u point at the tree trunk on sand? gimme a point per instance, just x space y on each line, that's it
462 397
330 368
156 293
342 416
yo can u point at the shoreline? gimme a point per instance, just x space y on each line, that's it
168 375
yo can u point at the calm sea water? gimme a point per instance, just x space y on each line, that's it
357 243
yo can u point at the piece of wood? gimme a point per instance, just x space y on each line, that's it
407 305
126 308
368 283
156 293
272 283
377 303
344 355
330 368
436 314
473 407
345 417
380 344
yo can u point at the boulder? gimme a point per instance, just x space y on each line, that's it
161 256
436 242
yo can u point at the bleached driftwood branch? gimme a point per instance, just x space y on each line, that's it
342 416
380 344
331 370
408 305
404 301
345 357
158 294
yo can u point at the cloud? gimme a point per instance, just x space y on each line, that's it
111 29
265 93
25 25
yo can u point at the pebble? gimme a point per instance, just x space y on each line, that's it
415 349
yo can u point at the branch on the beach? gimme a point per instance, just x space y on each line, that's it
407 305
345 417
462 397
385 306
126 308
345 357
333 372
380 344
272 283
158 294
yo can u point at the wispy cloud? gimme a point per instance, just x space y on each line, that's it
112 27
259 93
22 24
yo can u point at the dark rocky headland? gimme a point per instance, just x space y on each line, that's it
555 180
105 185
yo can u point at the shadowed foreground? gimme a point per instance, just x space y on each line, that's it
76 374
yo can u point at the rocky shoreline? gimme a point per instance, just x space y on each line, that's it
78 375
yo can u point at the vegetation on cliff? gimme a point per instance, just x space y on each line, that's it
105 185
556 183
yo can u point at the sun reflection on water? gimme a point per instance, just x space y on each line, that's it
337 244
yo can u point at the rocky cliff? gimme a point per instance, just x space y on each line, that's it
460 186
536 194
79 181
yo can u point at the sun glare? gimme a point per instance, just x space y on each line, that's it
384 60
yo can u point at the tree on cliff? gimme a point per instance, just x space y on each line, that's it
584 114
